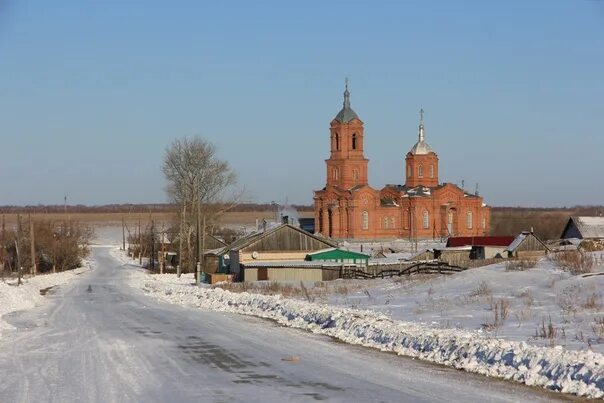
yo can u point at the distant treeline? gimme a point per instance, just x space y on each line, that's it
133 208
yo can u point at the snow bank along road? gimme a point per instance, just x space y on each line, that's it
98 340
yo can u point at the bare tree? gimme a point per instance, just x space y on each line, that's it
197 183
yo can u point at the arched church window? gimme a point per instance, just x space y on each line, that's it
354 141
385 222
450 218
431 171
365 220
336 174
337 141
391 222
426 219
484 223
420 171
408 171
469 220
355 174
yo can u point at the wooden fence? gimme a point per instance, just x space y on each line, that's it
428 267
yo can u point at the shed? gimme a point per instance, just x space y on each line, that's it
283 243
339 255
216 260
527 245
458 255
584 228
483 247
294 271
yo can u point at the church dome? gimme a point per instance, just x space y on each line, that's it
421 147
346 114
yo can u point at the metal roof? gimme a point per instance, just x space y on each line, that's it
346 114
250 239
479 241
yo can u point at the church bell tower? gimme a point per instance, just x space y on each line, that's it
347 165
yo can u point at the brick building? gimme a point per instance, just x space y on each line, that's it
348 208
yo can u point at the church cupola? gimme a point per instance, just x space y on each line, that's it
421 161
346 166
346 114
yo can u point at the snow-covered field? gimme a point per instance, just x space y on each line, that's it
542 306
557 368
27 295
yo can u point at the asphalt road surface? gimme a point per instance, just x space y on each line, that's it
98 340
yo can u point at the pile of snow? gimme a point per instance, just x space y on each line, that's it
27 295
578 372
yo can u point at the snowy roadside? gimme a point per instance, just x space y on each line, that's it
577 372
27 295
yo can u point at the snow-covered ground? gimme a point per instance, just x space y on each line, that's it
556 368
28 295
542 306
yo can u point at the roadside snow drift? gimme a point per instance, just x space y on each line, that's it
27 295
577 372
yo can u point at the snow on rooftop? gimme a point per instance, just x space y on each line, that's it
590 227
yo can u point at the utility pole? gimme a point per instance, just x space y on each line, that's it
203 246
181 237
32 247
198 244
140 244
152 257
123 235
54 249
17 247
2 247
162 261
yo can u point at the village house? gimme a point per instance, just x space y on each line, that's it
251 258
423 207
591 228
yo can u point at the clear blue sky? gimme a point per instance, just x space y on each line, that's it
93 92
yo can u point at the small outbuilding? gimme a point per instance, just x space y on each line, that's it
527 245
483 247
456 256
339 256
584 228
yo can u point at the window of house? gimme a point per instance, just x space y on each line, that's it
354 141
420 171
469 220
426 219
431 171
365 220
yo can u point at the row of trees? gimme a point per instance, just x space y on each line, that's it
40 246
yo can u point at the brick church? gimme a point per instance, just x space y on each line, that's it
423 208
